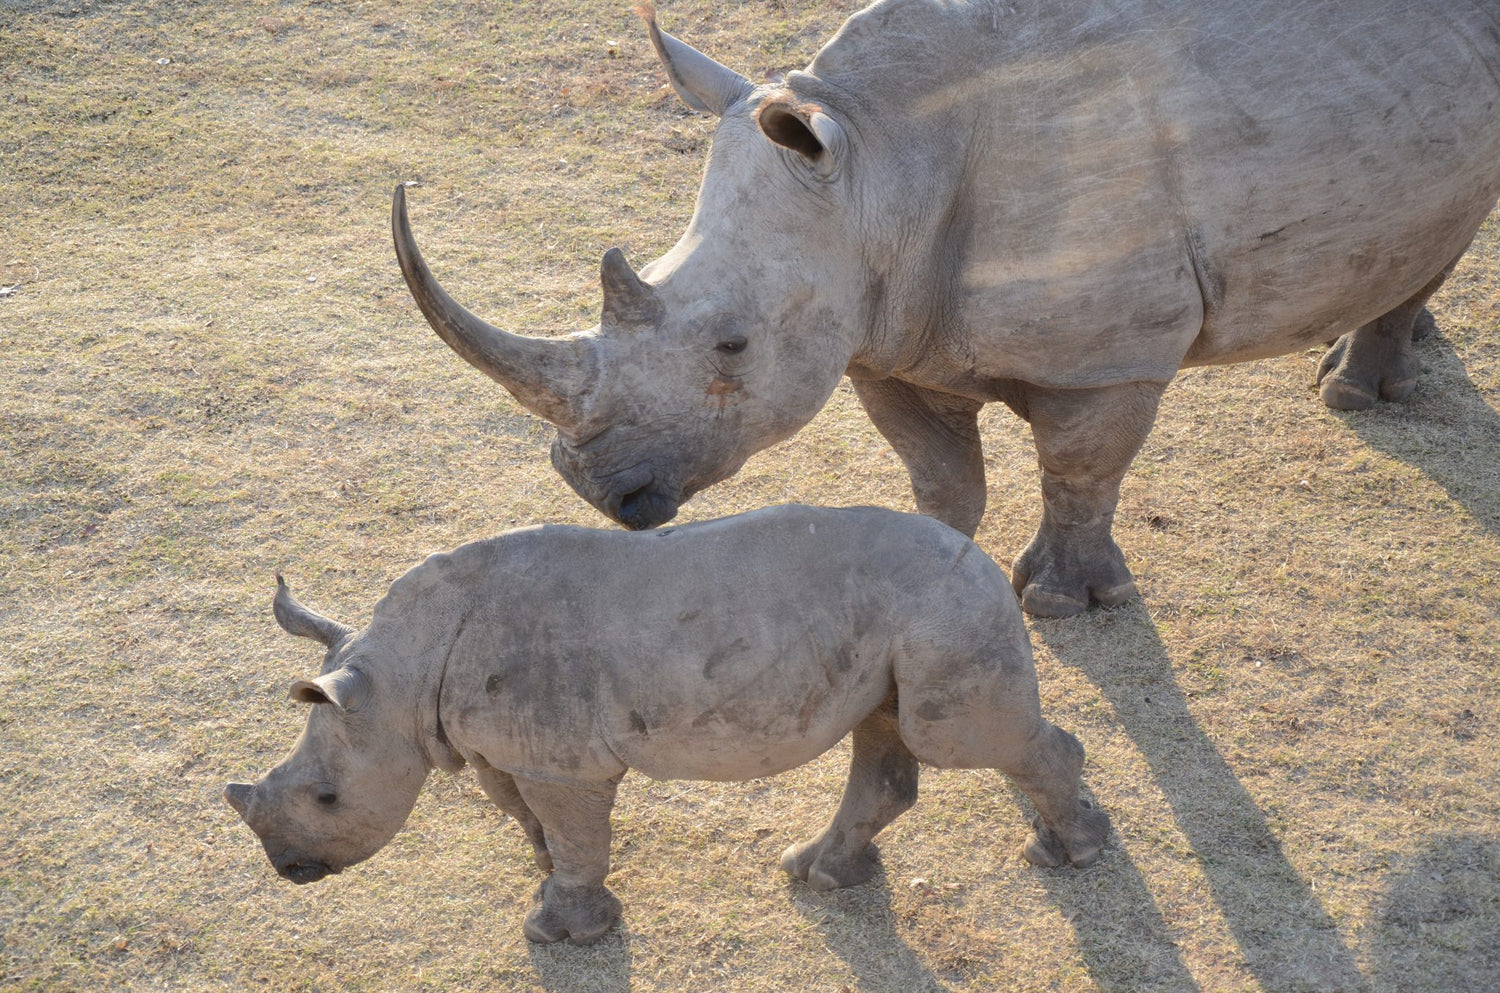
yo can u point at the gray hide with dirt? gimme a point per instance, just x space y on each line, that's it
1055 205
553 659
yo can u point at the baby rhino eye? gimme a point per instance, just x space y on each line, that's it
327 798
732 346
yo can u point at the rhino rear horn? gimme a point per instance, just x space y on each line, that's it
703 84
546 375
296 619
628 300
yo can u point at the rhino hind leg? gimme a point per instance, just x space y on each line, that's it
1067 828
1085 440
573 903
1376 362
882 785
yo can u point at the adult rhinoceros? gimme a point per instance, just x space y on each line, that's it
1052 204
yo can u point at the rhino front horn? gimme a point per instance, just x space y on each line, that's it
238 795
546 375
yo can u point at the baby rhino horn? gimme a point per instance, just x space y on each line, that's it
299 620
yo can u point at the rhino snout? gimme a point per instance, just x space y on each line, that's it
640 497
644 508
301 871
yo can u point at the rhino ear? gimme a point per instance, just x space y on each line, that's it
703 84
803 128
345 688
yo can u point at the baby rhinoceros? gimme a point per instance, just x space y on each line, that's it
553 659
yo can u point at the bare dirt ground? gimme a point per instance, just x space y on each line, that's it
211 371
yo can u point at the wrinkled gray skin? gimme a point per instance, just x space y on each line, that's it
1055 205
553 659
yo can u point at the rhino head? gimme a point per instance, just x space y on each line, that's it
352 778
729 343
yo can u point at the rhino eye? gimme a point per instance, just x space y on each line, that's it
327 798
732 346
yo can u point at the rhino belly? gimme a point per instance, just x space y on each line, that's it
736 714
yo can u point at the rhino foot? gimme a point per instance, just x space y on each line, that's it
1078 844
824 869
1057 581
578 914
1345 383
1375 362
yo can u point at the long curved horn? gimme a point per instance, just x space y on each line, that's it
303 622
546 375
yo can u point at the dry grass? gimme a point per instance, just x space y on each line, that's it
212 370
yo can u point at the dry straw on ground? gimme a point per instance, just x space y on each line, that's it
212 371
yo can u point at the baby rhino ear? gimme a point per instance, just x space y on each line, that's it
345 688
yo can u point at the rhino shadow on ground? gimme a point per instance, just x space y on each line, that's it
1438 926
1285 937
859 926
1445 429
1124 941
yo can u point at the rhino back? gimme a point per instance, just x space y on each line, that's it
1208 181
726 650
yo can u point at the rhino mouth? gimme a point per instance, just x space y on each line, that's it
655 502
302 871
643 508
639 498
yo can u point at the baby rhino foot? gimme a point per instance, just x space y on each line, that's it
1079 843
823 868
580 914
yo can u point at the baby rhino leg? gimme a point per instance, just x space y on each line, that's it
882 785
573 902
1067 827
500 787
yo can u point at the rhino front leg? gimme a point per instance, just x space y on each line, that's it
573 903
501 788
882 785
936 436
1085 439
1376 361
